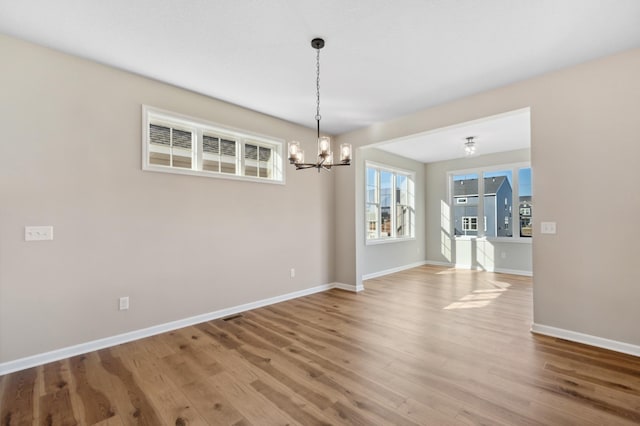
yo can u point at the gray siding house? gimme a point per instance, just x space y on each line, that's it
498 219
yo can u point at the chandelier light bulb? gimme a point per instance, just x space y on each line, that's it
294 148
324 146
345 152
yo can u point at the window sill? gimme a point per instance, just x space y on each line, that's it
215 175
388 241
508 240
514 240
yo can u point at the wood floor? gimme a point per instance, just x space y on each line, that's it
428 346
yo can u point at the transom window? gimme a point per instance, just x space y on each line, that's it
390 203
177 144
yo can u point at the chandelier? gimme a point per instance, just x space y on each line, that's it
470 146
325 155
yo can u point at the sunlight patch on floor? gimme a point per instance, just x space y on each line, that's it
476 299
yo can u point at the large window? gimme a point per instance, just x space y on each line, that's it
483 205
177 144
390 203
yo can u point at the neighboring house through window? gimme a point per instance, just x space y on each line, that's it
487 194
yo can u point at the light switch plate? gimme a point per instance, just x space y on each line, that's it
548 227
38 233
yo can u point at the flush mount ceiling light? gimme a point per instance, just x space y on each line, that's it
325 156
470 146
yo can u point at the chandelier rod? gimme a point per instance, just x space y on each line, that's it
318 44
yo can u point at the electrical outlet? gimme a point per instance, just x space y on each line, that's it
124 303
292 272
38 233
548 227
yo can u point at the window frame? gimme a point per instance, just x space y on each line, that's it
411 177
199 127
515 194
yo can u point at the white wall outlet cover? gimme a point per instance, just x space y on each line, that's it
123 303
548 227
38 233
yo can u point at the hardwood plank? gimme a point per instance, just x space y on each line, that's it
16 402
96 405
425 346
143 412
212 405
56 410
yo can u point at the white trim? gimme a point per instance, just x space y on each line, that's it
196 126
349 287
574 336
438 263
94 345
496 270
464 266
388 240
454 126
513 272
393 270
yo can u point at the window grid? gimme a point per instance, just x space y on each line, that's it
176 144
389 204
506 220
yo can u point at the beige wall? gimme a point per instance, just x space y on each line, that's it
487 255
181 246
178 246
585 123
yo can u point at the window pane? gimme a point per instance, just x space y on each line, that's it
181 148
401 189
404 221
227 156
404 213
464 195
498 206
372 221
250 152
372 181
525 197
211 153
265 162
257 160
386 187
250 160
159 145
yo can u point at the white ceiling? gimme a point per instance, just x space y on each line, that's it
504 132
382 58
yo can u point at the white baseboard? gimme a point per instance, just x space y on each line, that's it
94 345
588 339
348 287
513 272
393 270
498 270
438 263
